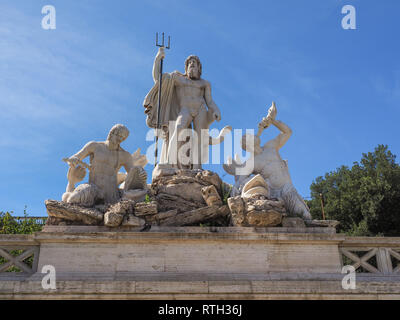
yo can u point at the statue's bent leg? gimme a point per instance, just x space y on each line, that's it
136 179
182 122
135 187
200 123
294 203
84 195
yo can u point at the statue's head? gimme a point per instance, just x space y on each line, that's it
118 133
251 143
193 67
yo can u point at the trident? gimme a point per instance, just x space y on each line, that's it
159 93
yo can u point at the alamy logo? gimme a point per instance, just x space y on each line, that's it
189 147
49 20
349 20
49 280
349 280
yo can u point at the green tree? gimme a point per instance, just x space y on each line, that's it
9 225
364 198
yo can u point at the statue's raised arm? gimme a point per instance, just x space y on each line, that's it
156 66
285 134
282 138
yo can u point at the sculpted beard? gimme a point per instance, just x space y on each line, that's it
193 73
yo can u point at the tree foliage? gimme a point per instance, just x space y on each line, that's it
364 198
9 225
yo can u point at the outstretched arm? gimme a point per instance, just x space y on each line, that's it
210 102
156 66
83 153
77 171
283 137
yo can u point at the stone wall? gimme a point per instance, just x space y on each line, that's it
203 263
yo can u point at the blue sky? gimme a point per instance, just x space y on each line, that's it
339 90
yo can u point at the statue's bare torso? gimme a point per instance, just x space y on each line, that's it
190 93
271 166
196 107
104 164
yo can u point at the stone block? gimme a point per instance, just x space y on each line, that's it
268 218
211 196
236 206
196 216
146 208
159 217
210 178
132 221
122 207
72 212
113 219
265 204
322 223
293 222
168 202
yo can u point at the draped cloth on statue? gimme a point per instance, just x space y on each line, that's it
169 111
169 103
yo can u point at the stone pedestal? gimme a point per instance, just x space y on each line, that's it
93 262
189 250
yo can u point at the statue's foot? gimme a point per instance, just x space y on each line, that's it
163 169
197 167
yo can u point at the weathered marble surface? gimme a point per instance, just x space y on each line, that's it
256 211
188 197
89 216
196 216
116 213
183 190
211 196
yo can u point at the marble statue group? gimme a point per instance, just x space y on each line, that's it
184 115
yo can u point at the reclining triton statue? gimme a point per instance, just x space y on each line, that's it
106 158
266 169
